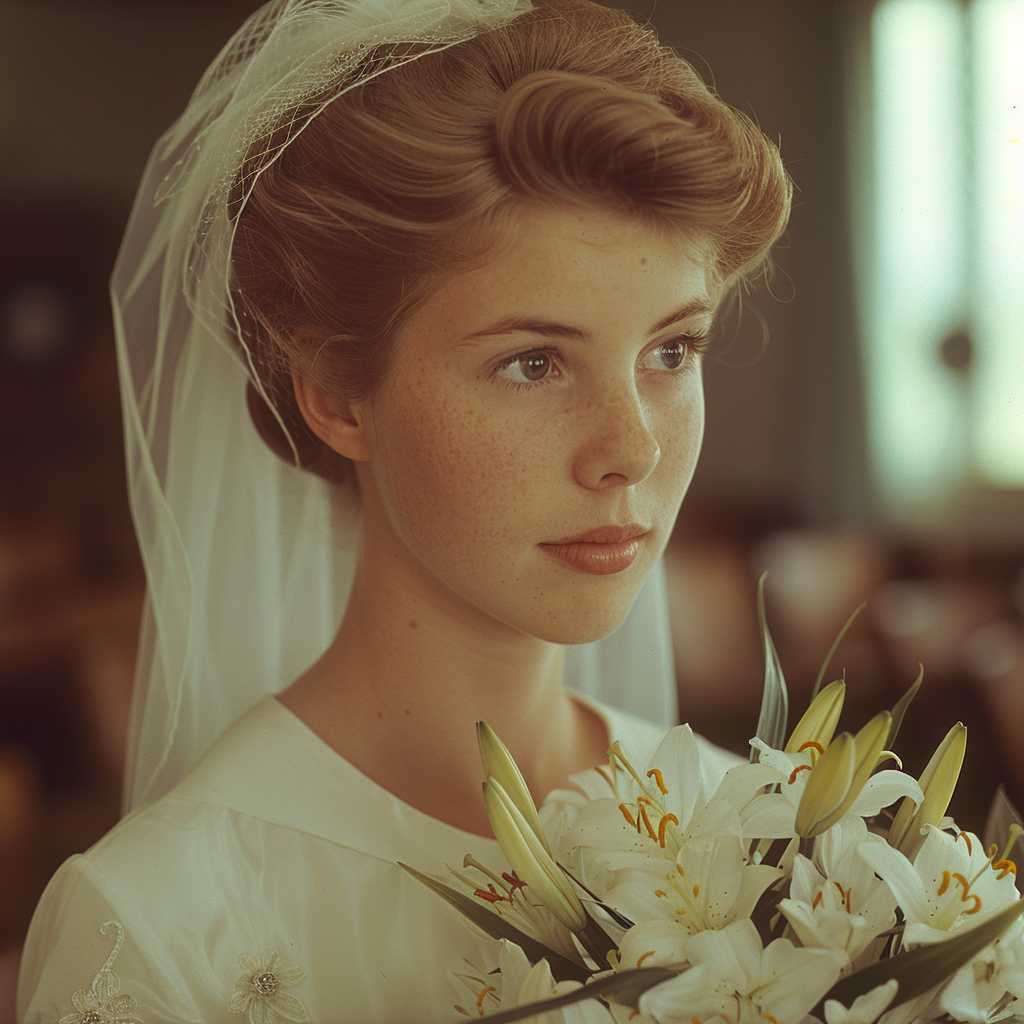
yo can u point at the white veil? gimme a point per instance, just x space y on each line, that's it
249 560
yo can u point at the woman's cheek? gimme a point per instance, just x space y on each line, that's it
450 466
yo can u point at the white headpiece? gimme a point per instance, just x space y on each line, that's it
249 560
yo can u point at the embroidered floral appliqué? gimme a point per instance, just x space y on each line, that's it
104 1003
258 990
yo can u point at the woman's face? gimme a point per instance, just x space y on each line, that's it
526 455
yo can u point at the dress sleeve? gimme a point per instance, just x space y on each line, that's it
89 957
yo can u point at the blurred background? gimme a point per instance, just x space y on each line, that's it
865 438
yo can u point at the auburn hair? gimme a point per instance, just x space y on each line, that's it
409 178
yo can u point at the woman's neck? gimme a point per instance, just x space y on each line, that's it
400 689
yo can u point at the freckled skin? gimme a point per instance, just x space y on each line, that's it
466 466
467 473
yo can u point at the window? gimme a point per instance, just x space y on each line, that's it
938 168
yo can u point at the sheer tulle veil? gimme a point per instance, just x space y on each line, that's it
248 559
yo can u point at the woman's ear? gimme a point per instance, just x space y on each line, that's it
339 423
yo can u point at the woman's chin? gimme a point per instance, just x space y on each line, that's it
579 623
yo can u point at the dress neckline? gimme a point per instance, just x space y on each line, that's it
271 766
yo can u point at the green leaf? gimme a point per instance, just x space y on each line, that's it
921 969
562 968
901 707
596 941
625 989
832 650
1002 815
771 724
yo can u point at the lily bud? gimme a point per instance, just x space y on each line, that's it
819 721
938 781
836 780
500 766
529 858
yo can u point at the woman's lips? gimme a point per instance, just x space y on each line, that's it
600 552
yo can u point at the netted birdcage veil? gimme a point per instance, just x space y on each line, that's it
249 559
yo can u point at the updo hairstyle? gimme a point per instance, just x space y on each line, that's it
409 178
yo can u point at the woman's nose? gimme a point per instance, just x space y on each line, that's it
618 447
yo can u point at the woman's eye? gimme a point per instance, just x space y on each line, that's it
527 367
672 354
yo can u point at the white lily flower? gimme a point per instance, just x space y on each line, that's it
954 884
981 985
951 884
640 826
738 980
523 984
509 981
836 901
866 1009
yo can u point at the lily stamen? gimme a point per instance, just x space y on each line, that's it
469 861
844 896
514 881
1004 867
641 814
811 745
967 839
482 996
491 895
629 817
659 780
797 770
664 824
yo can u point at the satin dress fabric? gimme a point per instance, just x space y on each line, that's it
272 843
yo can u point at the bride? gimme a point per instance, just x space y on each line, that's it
456 264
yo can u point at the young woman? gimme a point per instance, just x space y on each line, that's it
457 263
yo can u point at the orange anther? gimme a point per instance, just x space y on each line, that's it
642 816
797 770
663 825
967 840
629 817
945 883
696 889
658 779
993 850
977 902
963 881
661 893
1004 867
813 744
483 995
817 901
649 952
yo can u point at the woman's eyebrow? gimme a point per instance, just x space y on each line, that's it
533 325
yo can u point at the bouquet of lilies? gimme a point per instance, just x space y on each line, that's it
786 892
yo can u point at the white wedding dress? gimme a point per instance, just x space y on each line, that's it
273 857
